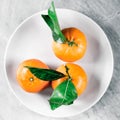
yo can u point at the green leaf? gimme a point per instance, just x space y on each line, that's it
45 74
48 21
52 21
53 15
64 94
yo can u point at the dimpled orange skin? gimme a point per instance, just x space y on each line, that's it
27 80
78 75
72 53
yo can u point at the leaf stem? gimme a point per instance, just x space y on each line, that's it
67 69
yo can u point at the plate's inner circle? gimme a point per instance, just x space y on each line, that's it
32 39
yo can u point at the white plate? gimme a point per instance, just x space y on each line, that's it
32 39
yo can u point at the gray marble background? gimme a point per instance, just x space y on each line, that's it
105 12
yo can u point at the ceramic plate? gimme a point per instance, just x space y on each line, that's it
32 39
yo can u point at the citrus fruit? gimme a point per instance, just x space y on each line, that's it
27 80
77 74
74 48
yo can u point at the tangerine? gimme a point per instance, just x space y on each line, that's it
74 48
27 80
77 74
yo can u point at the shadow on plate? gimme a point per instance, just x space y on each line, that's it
92 91
46 92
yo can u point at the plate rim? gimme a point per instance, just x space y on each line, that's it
65 116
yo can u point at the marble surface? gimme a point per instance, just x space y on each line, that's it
105 12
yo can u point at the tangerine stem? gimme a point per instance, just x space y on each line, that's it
71 43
